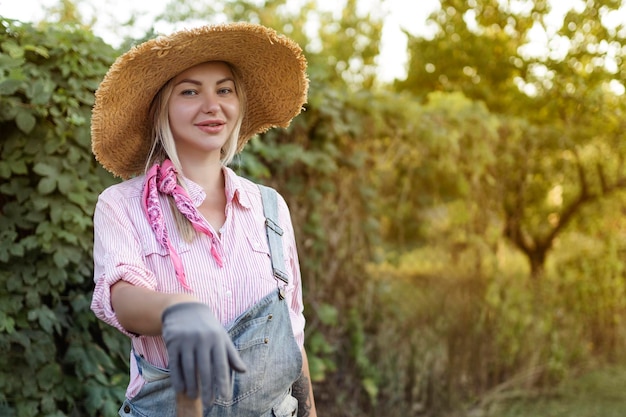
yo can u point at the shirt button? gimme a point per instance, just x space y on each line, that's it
127 409
229 293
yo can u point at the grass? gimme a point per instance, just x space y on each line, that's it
597 393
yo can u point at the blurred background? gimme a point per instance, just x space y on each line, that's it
457 184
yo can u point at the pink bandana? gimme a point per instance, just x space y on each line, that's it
163 179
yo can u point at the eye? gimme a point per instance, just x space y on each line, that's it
189 92
225 90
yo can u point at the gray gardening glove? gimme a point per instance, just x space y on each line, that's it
199 350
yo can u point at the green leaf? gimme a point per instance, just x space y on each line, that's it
328 314
9 86
77 119
60 259
57 276
95 395
17 250
7 62
77 198
19 167
46 185
49 376
40 91
5 170
48 405
7 324
65 183
45 170
39 50
371 388
46 319
12 49
25 120
27 408
7 237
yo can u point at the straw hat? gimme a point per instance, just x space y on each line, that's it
272 69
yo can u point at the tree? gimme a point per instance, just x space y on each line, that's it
561 132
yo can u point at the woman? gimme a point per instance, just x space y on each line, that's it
197 265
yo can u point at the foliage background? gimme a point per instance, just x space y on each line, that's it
461 231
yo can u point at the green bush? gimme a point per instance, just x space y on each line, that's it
57 358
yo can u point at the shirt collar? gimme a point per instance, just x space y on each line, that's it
234 190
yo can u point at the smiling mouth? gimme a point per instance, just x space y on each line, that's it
211 127
210 124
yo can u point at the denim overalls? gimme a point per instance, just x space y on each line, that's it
264 338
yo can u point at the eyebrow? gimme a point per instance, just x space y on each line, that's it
196 82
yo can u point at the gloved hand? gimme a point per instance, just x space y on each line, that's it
199 350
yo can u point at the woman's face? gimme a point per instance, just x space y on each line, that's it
203 110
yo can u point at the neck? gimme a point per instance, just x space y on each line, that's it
210 176
207 174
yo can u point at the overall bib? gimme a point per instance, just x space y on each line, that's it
264 338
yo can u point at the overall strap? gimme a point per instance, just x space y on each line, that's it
274 231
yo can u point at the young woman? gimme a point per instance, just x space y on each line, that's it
197 265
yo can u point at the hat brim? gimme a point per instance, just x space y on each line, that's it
272 70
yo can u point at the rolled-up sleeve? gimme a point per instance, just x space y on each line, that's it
117 254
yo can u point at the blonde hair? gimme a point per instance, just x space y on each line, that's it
164 145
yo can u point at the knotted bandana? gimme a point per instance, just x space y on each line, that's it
163 179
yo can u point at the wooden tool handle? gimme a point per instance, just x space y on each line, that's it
188 407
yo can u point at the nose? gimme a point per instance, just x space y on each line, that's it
210 103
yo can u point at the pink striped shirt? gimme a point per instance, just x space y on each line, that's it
125 248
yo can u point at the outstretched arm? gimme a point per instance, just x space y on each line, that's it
302 390
140 310
201 355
